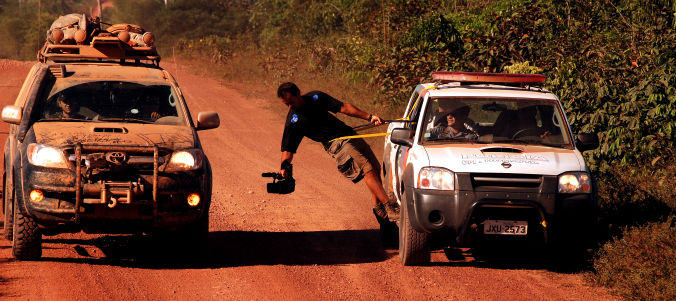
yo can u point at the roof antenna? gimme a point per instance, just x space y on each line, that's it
100 10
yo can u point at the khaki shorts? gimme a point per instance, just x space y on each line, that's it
354 158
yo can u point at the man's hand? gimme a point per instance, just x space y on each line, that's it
286 171
375 120
283 173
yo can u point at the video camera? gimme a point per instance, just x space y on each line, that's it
280 184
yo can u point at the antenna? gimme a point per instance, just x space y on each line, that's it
100 10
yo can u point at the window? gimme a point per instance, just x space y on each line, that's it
117 101
495 120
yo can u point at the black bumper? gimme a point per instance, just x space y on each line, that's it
461 213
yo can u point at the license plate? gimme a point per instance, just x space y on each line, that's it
502 227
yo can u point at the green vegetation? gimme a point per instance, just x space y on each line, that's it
622 265
612 63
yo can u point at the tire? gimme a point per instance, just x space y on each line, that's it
413 245
8 195
27 242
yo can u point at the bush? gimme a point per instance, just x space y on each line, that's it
433 33
642 264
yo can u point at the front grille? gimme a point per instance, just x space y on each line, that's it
497 180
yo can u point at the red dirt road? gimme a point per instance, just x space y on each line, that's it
321 242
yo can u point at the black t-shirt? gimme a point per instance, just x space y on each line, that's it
314 121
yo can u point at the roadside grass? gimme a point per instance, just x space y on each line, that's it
641 265
637 254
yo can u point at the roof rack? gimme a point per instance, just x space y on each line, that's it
75 37
508 79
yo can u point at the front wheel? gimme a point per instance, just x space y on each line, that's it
413 245
27 240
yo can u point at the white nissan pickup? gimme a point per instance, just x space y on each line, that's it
485 159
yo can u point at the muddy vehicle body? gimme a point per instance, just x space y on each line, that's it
488 160
101 140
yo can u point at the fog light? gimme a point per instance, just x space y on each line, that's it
36 196
193 199
435 217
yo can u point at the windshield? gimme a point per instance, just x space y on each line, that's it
495 120
112 101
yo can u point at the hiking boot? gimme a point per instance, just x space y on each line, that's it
392 208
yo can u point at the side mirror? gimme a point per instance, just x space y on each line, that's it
402 136
11 114
207 120
587 141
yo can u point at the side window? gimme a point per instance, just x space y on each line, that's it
411 101
415 113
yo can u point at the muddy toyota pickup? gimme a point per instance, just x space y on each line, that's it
486 160
101 140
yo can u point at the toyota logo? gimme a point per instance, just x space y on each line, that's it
116 157
506 164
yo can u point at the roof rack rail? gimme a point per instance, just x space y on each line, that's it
75 37
508 79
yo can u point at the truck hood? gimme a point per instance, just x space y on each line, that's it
492 158
137 134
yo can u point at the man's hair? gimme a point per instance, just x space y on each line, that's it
287 87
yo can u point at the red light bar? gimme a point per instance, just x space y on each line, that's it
493 78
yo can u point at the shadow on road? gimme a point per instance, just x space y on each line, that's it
231 249
513 259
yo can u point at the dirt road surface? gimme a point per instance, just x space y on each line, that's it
320 242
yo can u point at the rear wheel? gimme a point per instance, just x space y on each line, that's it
8 224
413 245
27 240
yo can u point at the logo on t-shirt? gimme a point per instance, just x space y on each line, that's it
294 118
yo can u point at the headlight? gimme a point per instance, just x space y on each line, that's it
46 156
185 160
436 178
574 182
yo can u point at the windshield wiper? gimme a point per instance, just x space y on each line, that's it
528 142
125 119
459 140
63 119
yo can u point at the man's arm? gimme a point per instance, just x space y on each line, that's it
351 110
286 156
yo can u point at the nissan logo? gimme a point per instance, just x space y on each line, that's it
506 164
116 157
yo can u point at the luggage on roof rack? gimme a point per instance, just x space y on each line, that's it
76 37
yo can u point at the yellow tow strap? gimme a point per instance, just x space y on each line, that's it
407 118
360 136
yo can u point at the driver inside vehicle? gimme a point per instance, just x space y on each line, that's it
150 108
453 123
68 107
